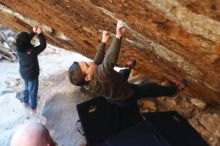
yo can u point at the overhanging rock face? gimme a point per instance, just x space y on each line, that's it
170 39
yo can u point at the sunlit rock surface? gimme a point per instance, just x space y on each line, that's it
171 39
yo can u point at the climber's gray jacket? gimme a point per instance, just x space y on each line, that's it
105 80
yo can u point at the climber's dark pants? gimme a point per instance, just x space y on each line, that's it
152 90
147 90
125 73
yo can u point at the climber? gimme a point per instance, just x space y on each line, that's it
29 66
99 77
32 134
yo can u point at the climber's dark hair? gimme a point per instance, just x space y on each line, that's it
23 41
75 75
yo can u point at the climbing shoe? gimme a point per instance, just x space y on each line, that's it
181 84
130 63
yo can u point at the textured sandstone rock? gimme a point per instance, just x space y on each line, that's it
198 102
170 39
147 105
